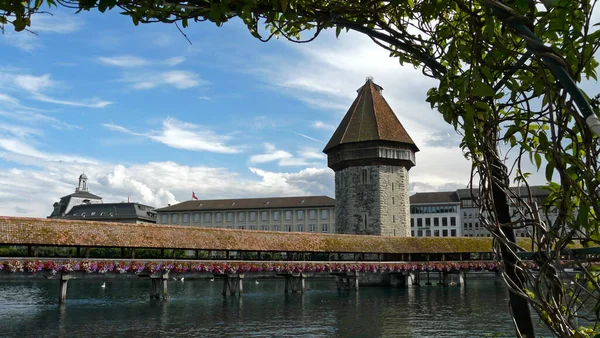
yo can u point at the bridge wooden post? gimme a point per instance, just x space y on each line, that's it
154 294
132 253
162 253
233 283
174 254
29 251
64 279
122 252
197 253
428 281
346 281
165 279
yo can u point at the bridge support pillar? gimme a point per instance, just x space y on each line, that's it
428 280
156 279
346 281
443 278
232 283
64 279
416 278
295 282
401 280
462 278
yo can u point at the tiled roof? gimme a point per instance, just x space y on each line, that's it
109 211
83 194
370 118
253 203
54 232
434 197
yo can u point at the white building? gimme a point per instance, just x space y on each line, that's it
291 214
431 211
80 196
435 214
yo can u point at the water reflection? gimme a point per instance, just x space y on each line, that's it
123 308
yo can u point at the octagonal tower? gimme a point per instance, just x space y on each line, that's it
371 154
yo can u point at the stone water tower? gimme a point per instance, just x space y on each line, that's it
371 154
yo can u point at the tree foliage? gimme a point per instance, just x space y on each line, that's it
498 67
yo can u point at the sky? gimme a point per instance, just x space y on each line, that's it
150 117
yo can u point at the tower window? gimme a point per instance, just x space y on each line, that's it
365 220
365 176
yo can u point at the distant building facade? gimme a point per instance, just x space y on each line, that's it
290 214
80 196
83 205
371 154
456 213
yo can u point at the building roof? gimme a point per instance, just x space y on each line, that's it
369 118
55 232
252 203
434 197
112 211
82 194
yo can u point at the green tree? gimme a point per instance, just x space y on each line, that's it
507 74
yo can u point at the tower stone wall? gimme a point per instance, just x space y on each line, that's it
372 200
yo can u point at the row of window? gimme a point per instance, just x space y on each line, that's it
433 209
288 227
436 233
242 216
436 221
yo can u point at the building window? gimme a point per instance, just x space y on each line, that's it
275 227
436 233
276 215
412 233
299 228
427 233
164 218
186 218
394 219
300 215
436 222
252 227
393 200
444 221
288 228
241 227
241 216
444 233
453 221
312 214
419 222
218 217
252 216
419 233
288 215
313 227
264 227
427 222
365 176
230 217
196 217
324 228
412 222
207 217
174 218
324 214
264 216
392 185
453 232
365 221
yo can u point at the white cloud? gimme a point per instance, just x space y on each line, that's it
176 78
124 61
130 61
324 126
34 84
184 135
39 87
305 157
42 24
26 154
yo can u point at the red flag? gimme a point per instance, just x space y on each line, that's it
194 196
127 198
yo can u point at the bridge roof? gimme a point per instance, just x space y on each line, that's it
55 232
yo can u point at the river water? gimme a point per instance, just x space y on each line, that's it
196 308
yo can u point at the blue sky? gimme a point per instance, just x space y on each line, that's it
147 115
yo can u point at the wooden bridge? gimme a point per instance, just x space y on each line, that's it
236 254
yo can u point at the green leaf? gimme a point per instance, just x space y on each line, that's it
549 171
482 89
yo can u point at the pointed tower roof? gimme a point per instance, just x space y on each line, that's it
370 118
